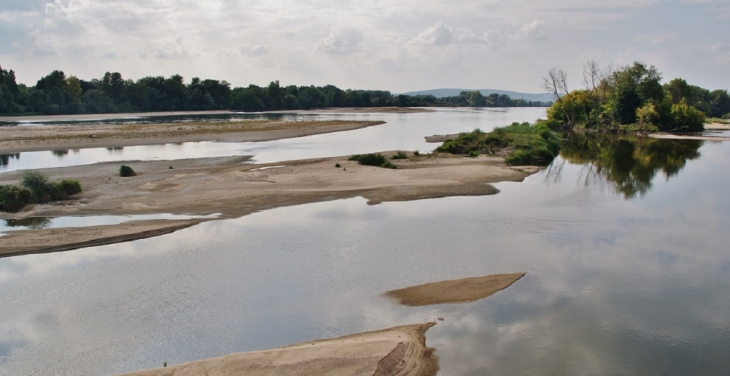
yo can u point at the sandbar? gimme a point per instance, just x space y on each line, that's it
16 139
233 188
665 136
398 351
463 290
23 242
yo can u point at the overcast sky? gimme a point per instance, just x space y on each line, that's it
367 44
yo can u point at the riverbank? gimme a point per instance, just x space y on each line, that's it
65 137
234 188
397 351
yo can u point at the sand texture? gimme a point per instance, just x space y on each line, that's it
399 351
64 239
454 291
51 137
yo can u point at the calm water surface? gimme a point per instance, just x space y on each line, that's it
625 249
402 131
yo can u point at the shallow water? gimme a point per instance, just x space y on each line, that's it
401 132
39 223
626 255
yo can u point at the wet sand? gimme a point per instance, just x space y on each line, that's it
454 291
397 351
53 137
686 137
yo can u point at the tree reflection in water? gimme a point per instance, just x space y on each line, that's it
627 164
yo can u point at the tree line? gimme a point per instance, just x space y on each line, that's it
632 96
58 93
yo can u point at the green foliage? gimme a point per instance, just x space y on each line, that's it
416 153
726 116
41 189
633 98
70 187
400 155
530 144
35 189
126 171
376 159
687 119
337 165
13 198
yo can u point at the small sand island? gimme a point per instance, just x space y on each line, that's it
398 351
454 291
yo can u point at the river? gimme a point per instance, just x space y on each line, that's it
624 242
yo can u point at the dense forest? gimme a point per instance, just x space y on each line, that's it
57 93
632 98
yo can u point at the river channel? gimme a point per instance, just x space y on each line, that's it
624 241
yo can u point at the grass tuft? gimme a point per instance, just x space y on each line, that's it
376 159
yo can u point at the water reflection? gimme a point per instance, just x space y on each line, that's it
628 164
614 286
59 153
34 223
5 158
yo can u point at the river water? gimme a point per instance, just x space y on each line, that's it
624 245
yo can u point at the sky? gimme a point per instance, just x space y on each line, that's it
399 46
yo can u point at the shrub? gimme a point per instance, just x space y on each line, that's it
532 144
13 198
416 153
338 165
34 180
687 118
400 155
71 187
376 159
726 116
126 171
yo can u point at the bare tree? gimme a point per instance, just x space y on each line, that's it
591 75
556 83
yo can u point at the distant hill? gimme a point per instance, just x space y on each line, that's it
440 93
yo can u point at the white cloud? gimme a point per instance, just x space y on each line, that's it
654 38
533 30
253 51
341 40
436 35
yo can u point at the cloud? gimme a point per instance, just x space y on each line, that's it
654 38
253 51
341 41
171 53
492 38
57 8
533 30
436 35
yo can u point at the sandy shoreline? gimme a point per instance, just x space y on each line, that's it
64 137
397 351
24 242
233 188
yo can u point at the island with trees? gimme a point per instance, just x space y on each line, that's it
633 99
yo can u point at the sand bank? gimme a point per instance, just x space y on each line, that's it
717 127
233 188
454 291
441 137
52 137
396 351
64 239
685 137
